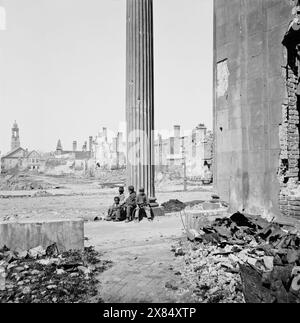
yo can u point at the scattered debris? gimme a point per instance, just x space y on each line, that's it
173 206
20 181
245 258
99 218
179 252
210 275
194 234
45 276
171 285
37 252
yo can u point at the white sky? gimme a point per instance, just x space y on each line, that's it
62 68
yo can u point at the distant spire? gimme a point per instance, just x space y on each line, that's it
15 137
59 146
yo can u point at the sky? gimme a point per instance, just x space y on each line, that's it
62 68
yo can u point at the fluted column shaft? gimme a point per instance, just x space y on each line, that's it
140 95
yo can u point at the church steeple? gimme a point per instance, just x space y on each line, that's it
15 138
59 148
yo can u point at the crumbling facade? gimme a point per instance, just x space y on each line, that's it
109 154
256 106
195 149
84 154
66 162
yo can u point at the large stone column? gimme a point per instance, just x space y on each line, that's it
139 95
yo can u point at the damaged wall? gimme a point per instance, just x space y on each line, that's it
289 130
250 88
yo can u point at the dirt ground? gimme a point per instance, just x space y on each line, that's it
144 269
142 261
81 198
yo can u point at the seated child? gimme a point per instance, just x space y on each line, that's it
130 204
122 214
122 194
142 205
114 211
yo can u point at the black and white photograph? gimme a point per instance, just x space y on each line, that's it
149 155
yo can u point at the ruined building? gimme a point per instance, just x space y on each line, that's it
194 148
109 153
256 105
84 154
98 153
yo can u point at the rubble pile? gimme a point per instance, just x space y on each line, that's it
245 257
205 206
23 182
46 276
210 276
173 206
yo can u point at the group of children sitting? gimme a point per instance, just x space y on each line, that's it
131 209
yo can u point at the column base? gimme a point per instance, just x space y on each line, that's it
157 210
153 203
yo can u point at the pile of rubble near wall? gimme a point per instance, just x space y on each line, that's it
244 259
174 205
45 276
23 182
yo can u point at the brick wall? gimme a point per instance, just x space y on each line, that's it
289 199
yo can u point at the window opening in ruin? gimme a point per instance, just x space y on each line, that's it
285 167
290 127
206 164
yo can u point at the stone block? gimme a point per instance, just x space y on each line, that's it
211 206
195 219
25 235
158 211
295 214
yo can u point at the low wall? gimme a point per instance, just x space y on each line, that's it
25 235
196 219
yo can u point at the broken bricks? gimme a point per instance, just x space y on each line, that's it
171 285
179 252
2 278
264 254
296 279
194 234
43 280
37 252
